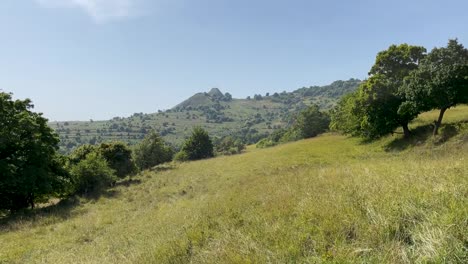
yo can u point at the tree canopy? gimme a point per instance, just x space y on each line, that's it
198 145
374 109
152 151
440 82
30 168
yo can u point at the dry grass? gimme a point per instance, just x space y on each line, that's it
330 199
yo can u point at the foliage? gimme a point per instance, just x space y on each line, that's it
337 89
117 154
346 116
152 151
81 152
266 143
229 146
379 96
181 156
30 169
378 107
311 122
119 157
198 145
440 82
91 174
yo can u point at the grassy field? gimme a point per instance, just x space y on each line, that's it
330 199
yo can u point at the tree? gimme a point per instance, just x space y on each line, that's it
227 97
440 82
152 151
198 145
30 169
91 174
119 157
311 122
81 152
380 96
346 115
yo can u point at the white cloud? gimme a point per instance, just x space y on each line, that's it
100 10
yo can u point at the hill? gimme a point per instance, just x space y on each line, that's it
330 199
249 119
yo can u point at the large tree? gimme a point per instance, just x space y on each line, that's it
379 96
440 82
30 169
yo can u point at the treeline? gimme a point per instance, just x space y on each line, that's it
33 171
404 82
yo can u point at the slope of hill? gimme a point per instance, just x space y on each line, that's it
330 199
250 119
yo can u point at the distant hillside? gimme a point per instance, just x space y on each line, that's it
250 119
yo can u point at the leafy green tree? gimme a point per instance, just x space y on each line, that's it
152 151
30 169
119 157
440 82
346 115
91 174
380 97
198 145
81 152
311 122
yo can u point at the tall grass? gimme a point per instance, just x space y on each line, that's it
331 199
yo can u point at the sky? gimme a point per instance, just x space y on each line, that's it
97 59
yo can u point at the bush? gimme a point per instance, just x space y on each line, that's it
91 174
181 156
229 146
311 122
199 145
119 157
117 154
266 142
152 151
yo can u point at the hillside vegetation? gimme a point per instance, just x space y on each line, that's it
330 199
247 119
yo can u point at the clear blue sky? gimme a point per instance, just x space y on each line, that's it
83 59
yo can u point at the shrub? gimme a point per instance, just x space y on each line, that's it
199 145
119 157
91 174
311 122
181 156
266 142
229 146
152 151
117 154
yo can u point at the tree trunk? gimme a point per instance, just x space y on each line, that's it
439 121
406 131
31 200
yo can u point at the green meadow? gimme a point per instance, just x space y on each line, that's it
330 199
